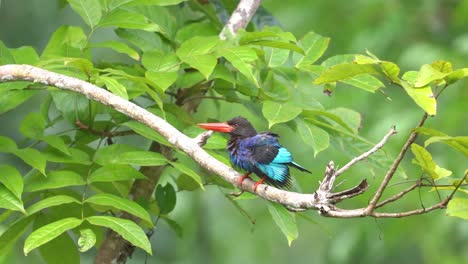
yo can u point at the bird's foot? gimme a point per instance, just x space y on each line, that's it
261 181
246 175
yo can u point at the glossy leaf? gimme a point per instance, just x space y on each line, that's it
11 99
241 58
279 113
49 232
87 239
314 46
115 172
57 143
32 157
119 47
108 155
7 145
55 179
126 228
50 202
198 52
424 159
458 143
13 232
89 10
423 97
351 118
428 74
76 156
141 158
284 220
145 131
313 135
365 82
129 206
458 207
61 249
33 125
125 19
189 172
9 201
165 198
114 86
344 71
12 179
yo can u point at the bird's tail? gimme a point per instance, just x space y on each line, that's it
299 167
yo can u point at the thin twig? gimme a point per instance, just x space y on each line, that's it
368 153
104 133
398 195
394 166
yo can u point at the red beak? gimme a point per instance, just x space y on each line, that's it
220 127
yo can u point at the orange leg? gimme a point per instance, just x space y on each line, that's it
246 175
259 182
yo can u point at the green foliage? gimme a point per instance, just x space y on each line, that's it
167 57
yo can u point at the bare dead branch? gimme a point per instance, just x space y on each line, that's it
394 166
368 153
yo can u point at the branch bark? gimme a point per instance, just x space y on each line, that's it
323 199
240 18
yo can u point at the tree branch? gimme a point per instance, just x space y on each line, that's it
240 17
323 199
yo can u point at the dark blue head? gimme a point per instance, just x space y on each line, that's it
236 127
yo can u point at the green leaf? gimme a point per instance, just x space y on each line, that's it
276 57
50 202
165 198
7 145
11 99
365 82
314 46
125 19
126 228
120 203
242 59
278 45
89 10
49 232
55 179
428 74
458 207
423 97
6 56
13 232
12 179
107 155
119 47
76 156
25 55
284 220
9 201
57 143
66 41
87 239
142 39
33 125
141 158
61 249
162 79
189 172
32 157
160 61
174 226
313 136
198 52
458 143
113 86
344 71
279 113
115 172
147 132
424 159
351 118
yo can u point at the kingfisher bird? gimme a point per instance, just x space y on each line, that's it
260 153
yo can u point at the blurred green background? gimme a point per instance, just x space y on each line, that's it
409 33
